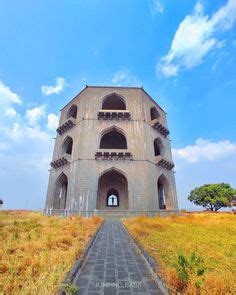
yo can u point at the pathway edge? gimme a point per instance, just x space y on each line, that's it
149 261
78 264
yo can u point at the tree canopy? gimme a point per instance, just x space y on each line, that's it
213 196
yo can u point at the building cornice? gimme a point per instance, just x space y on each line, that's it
114 87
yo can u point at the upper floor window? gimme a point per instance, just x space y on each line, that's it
113 102
113 139
67 146
158 147
154 113
72 112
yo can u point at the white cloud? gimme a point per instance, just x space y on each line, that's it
10 112
156 7
168 69
23 132
195 37
34 115
7 96
58 88
26 146
53 121
205 150
8 100
125 77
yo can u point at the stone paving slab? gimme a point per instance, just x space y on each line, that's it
113 266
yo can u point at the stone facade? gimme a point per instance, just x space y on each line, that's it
112 155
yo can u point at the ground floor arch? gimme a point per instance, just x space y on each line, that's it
112 190
60 192
164 193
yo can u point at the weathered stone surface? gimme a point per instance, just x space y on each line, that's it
88 162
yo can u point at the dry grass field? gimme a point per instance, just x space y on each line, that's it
37 251
196 253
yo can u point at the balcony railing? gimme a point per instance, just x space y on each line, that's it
66 126
62 161
113 155
159 127
164 163
114 114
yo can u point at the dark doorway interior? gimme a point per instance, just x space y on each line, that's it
72 112
113 140
154 113
60 195
113 102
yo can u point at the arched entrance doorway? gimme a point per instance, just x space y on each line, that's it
112 190
164 193
60 193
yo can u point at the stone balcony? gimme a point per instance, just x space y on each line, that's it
62 161
104 154
164 163
159 127
68 124
114 115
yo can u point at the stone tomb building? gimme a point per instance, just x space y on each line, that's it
112 156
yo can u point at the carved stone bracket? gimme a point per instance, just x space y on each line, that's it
164 163
159 127
111 114
66 126
113 156
64 160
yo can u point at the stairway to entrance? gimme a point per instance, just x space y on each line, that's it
113 265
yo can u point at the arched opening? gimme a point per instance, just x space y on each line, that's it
67 146
164 193
72 112
60 193
113 139
112 198
113 102
112 191
158 147
154 113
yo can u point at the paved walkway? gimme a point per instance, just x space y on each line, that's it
113 266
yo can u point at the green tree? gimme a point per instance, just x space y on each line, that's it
213 196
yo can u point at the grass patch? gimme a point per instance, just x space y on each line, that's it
196 253
37 251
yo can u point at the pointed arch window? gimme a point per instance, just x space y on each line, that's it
67 146
113 102
72 113
158 147
113 139
154 113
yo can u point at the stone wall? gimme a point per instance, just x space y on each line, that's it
83 170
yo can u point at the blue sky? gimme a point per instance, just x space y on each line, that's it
182 52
